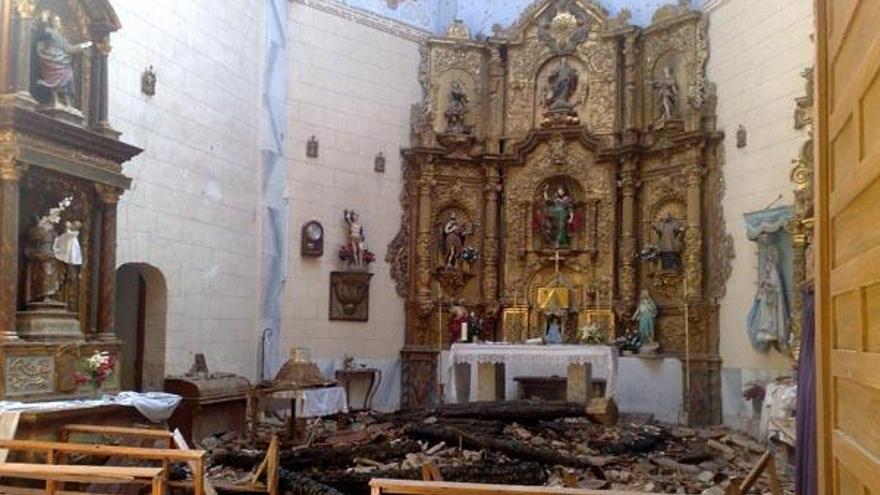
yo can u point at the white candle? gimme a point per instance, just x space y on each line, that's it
464 331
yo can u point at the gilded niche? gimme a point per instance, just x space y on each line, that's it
559 169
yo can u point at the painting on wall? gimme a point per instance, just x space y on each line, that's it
350 296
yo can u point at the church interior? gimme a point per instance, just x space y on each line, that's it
430 247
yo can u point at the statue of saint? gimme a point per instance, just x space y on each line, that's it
356 237
768 320
44 272
563 83
55 59
669 245
645 314
553 334
558 217
453 237
667 93
458 110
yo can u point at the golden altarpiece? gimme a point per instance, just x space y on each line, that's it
559 169
60 180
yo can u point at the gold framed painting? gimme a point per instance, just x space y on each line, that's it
515 324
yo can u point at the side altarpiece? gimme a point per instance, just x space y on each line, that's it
571 151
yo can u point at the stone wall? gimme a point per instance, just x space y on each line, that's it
351 86
191 212
758 50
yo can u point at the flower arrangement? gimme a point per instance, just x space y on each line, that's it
347 254
755 392
96 369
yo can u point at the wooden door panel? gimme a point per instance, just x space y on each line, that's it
848 240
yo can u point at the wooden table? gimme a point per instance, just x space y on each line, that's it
347 377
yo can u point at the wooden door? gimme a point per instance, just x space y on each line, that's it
848 234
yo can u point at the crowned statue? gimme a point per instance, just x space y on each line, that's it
55 58
768 320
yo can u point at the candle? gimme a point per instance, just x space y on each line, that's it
464 331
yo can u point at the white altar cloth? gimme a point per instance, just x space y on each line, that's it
526 360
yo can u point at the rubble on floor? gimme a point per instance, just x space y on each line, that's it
521 443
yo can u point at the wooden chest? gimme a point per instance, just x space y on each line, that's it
214 405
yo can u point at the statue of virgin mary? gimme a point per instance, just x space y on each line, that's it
768 320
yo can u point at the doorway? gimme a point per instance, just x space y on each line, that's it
141 315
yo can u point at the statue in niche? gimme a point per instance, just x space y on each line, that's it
55 57
645 314
768 320
562 85
47 253
669 245
452 237
556 219
458 110
667 94
553 334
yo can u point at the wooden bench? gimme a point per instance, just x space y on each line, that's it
381 486
83 474
118 431
196 458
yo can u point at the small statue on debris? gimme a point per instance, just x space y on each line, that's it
54 56
458 110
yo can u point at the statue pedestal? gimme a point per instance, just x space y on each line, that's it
48 321
63 113
554 118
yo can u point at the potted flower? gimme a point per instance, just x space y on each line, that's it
96 369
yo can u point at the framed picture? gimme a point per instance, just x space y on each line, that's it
350 296
515 324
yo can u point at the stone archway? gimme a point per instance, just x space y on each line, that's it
141 319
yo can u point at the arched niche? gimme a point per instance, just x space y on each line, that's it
468 85
543 85
677 64
141 321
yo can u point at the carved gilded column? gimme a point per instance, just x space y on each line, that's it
10 174
423 240
693 235
25 17
496 101
630 54
628 184
490 244
109 198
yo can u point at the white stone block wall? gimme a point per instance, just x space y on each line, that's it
758 50
351 86
192 210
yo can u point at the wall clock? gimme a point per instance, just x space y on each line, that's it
312 244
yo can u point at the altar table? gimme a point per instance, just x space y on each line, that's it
524 360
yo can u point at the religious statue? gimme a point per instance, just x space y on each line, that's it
55 59
562 85
669 245
768 320
452 238
458 322
667 94
553 334
356 239
645 314
45 251
458 110
556 220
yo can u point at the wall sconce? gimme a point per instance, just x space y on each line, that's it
379 163
312 147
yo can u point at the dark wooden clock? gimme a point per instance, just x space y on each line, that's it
312 243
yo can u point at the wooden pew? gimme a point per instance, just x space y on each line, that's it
381 486
166 456
119 431
52 474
